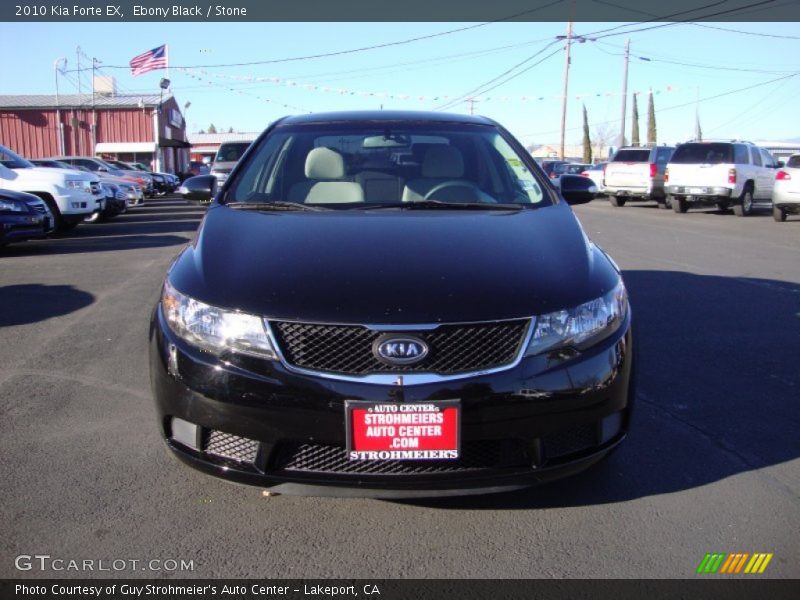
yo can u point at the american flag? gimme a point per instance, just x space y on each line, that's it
149 61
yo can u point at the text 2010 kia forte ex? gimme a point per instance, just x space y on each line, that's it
391 304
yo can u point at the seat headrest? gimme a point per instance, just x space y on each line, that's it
443 161
324 163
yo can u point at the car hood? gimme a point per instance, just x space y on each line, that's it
50 174
393 266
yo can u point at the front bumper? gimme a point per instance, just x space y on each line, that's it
18 228
259 423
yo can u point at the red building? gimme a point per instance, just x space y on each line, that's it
143 128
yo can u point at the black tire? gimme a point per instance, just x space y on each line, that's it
58 220
744 206
617 201
679 205
778 214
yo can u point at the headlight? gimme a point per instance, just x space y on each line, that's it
79 184
12 206
589 322
214 329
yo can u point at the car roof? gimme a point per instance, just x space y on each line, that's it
385 115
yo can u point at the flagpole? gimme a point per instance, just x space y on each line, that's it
166 53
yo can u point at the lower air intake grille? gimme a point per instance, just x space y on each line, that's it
570 441
452 348
475 456
230 447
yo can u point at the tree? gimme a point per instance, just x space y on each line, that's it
212 129
587 141
201 131
652 136
230 129
698 131
604 136
635 123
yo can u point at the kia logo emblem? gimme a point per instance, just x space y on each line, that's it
400 350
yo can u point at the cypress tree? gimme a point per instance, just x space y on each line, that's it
652 136
587 142
635 124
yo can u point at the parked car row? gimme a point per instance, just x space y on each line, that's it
731 175
47 195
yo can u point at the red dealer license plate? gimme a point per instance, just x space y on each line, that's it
400 431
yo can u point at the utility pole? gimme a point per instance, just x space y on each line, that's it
77 121
624 92
472 102
59 125
566 88
697 113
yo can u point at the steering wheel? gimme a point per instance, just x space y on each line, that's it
454 183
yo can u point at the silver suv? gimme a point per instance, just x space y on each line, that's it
732 174
227 156
637 173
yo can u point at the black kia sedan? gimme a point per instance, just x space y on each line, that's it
391 304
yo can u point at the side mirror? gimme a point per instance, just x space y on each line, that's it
200 189
576 189
102 170
780 164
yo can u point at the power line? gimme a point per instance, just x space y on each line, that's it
674 106
755 33
362 49
695 65
479 89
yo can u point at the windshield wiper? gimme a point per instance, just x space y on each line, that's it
277 205
438 204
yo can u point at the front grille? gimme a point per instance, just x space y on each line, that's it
40 208
452 348
570 441
96 189
230 447
475 456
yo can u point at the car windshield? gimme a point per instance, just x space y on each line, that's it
231 151
632 156
794 161
706 154
393 163
12 160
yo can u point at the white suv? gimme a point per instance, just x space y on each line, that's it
70 195
737 175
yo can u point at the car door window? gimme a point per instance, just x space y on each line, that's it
740 156
756 156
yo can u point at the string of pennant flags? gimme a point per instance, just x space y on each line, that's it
315 87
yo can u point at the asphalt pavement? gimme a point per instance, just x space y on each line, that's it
712 463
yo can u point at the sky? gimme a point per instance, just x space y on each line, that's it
441 72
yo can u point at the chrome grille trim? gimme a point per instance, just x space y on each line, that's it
408 378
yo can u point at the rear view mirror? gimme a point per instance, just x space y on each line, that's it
199 189
576 189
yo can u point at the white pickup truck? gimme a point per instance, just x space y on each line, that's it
733 174
71 195
637 173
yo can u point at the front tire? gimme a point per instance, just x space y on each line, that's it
778 214
617 201
679 205
744 207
